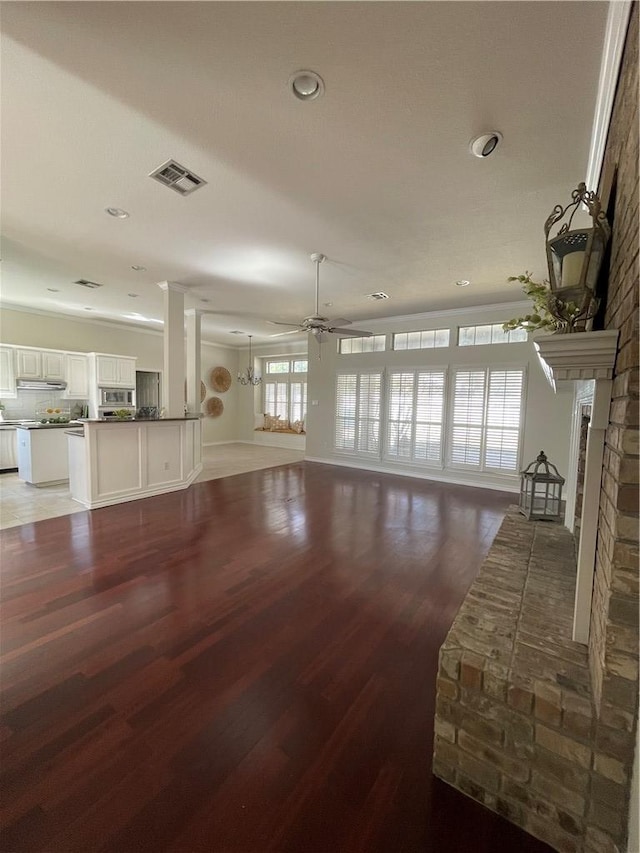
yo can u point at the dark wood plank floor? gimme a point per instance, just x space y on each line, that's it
245 666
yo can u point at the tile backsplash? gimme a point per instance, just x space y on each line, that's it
27 403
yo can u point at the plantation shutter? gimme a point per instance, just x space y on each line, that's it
358 413
415 413
504 404
468 417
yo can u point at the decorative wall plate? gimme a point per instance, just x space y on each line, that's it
220 379
214 407
203 391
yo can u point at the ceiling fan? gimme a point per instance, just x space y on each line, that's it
320 327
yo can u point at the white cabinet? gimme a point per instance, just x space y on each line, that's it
115 372
29 364
7 373
53 365
8 448
43 455
40 364
76 377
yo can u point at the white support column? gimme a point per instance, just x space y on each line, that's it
174 367
590 509
193 322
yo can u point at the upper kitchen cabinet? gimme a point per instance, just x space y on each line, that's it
7 373
76 376
40 364
115 371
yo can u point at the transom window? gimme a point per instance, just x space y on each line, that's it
351 346
426 339
285 366
473 336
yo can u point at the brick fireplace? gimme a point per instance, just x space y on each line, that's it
533 724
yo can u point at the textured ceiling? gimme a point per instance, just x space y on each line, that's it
376 174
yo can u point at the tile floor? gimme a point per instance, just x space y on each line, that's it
21 503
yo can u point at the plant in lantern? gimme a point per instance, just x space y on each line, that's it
567 302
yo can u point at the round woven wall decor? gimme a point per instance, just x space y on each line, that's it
214 407
220 379
203 391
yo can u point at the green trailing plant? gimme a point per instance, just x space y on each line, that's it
550 311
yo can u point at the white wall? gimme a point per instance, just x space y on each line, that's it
547 423
54 331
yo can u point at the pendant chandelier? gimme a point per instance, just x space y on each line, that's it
248 375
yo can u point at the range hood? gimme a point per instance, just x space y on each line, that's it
41 385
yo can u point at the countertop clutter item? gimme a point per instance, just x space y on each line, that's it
214 407
220 379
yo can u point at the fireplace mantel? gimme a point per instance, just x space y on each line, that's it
567 359
579 356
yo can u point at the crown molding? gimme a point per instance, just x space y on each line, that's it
614 40
577 357
173 285
109 324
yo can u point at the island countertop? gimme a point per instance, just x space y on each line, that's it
66 425
136 420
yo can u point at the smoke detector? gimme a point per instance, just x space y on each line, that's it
484 145
177 178
306 85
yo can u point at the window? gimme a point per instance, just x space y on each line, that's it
415 415
285 388
351 346
470 336
486 417
427 339
358 413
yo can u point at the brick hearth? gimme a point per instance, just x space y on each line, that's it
516 727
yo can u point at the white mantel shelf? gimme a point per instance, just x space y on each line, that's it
578 356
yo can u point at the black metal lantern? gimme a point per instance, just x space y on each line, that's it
575 255
541 490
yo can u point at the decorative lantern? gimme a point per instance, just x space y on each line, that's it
574 256
541 490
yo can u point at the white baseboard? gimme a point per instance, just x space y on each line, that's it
438 477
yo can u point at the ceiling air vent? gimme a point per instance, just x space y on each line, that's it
84 282
379 295
177 178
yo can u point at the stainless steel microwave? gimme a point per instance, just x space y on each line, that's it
117 397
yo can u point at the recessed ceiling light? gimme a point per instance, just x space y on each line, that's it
87 309
327 304
133 295
485 144
236 332
118 212
138 268
462 282
205 300
306 85
53 290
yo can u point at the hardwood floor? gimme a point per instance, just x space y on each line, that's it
245 666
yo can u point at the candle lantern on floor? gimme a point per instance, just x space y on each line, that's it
541 490
574 258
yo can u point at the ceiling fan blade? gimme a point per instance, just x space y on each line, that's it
350 333
276 323
292 332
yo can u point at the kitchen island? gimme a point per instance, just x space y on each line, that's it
114 461
42 452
